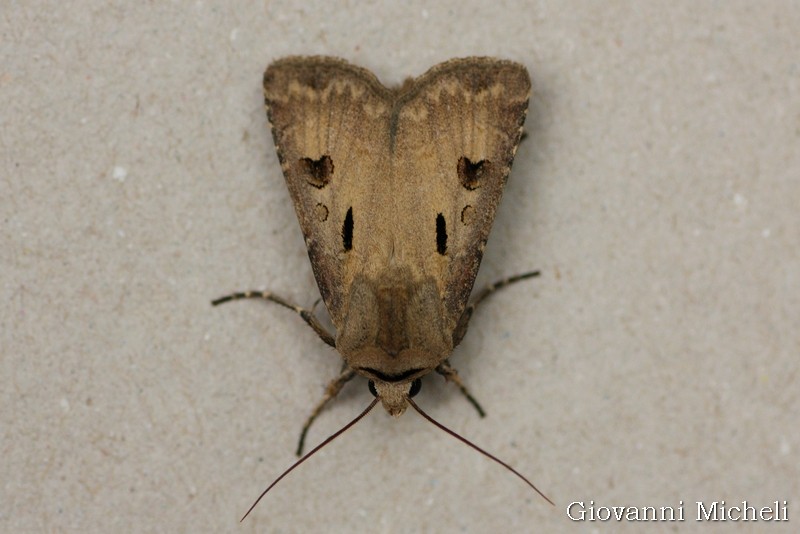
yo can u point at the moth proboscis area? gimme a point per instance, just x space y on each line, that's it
395 190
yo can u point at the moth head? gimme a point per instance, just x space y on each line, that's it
394 396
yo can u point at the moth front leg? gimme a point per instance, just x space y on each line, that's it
451 375
335 385
333 389
307 315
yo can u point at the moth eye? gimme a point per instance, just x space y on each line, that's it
371 386
416 385
347 230
441 234
317 172
470 174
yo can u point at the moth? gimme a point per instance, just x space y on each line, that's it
395 190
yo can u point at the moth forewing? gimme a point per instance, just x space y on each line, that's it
395 191
318 109
465 117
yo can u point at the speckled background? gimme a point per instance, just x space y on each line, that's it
654 362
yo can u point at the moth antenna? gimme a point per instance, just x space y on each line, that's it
314 450
468 442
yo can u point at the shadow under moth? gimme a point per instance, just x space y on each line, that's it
395 190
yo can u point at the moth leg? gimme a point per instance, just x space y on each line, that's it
461 328
333 389
451 375
307 315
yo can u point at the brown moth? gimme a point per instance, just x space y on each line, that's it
395 190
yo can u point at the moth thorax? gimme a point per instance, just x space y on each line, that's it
393 396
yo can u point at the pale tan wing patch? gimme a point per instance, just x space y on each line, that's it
330 124
454 135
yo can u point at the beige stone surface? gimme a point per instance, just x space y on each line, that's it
654 362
